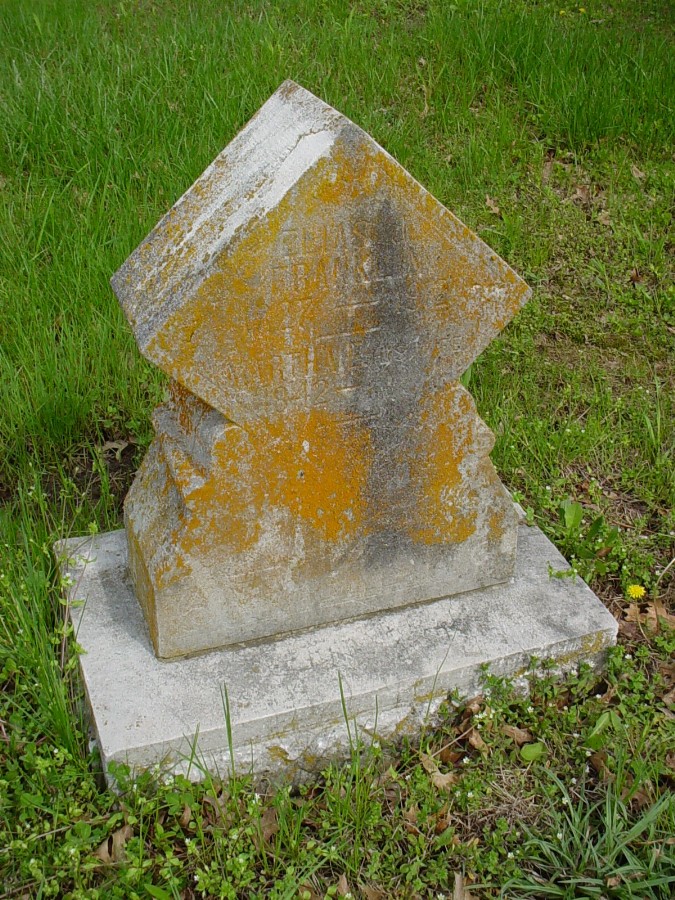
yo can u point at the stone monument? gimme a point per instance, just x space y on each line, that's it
319 479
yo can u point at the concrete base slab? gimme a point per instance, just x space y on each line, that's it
285 705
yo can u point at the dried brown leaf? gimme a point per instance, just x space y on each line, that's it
492 206
442 821
476 741
219 807
185 816
582 195
650 615
268 823
603 218
116 446
598 760
519 735
410 815
428 763
410 820
442 782
666 670
643 797
343 886
370 892
662 613
474 705
629 630
450 757
637 173
111 850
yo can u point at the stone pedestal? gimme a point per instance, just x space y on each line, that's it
285 705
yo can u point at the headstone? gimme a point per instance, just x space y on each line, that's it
318 508
318 459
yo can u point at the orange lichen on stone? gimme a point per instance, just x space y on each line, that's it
318 467
317 458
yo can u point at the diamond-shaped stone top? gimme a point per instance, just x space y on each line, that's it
307 269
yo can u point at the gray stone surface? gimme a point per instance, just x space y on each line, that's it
318 458
285 705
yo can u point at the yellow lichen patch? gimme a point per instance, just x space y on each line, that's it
226 509
308 471
300 275
251 323
496 526
446 504
317 465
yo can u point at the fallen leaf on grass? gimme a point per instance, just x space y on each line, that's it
475 704
642 798
476 741
111 850
410 819
519 735
598 760
492 206
669 698
637 173
582 195
650 614
603 218
186 816
442 821
117 446
343 886
268 825
438 779
666 670
372 893
629 630
450 757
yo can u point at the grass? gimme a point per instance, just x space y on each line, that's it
548 130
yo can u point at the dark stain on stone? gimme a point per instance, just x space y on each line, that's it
389 369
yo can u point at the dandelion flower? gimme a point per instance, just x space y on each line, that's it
635 591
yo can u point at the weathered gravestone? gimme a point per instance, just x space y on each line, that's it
318 460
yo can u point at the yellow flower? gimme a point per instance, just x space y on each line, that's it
635 591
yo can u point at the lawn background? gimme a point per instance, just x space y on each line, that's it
547 127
